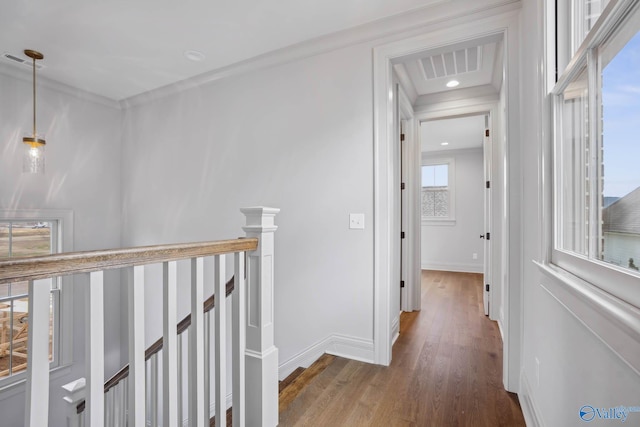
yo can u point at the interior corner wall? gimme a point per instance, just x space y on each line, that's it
298 137
565 365
82 175
450 247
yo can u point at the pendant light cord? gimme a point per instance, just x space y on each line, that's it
34 98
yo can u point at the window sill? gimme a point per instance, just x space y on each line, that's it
615 322
438 222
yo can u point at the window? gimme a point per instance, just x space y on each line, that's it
437 190
597 181
18 239
32 233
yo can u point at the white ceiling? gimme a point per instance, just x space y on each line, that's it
459 132
119 48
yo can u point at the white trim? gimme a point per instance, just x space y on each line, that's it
338 345
453 266
44 82
472 26
530 411
613 321
435 222
64 220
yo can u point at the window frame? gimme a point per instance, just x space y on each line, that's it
450 219
615 280
63 324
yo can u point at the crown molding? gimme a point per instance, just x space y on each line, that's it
442 14
44 82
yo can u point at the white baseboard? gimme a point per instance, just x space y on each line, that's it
395 329
453 266
529 410
338 345
500 327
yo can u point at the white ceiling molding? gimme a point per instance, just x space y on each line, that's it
25 75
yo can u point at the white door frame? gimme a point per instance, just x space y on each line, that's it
410 294
383 91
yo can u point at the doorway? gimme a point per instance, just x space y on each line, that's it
497 29
453 165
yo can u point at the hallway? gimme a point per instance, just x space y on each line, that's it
446 370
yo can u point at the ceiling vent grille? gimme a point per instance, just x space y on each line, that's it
17 60
449 64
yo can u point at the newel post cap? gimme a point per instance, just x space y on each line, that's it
74 391
260 217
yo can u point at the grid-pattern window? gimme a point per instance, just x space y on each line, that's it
435 191
18 239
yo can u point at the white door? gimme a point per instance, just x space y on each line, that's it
487 216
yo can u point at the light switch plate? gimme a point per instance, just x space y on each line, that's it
356 221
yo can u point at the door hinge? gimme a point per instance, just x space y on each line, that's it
486 133
486 287
402 137
488 184
402 234
402 186
488 236
402 283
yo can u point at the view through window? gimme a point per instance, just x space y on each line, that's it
18 239
620 152
435 191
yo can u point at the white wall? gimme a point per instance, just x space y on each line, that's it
448 246
82 175
297 137
575 366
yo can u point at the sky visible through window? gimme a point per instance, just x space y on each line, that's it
621 121
435 176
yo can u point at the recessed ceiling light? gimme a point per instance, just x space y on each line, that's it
194 55
453 83
444 143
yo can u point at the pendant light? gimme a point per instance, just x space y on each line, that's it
33 160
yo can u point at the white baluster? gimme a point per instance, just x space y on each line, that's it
207 365
261 354
37 403
221 340
196 346
153 392
239 341
180 383
170 348
94 349
136 395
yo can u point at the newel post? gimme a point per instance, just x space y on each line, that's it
261 356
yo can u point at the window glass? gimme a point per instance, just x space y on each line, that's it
586 13
17 239
620 151
573 152
435 191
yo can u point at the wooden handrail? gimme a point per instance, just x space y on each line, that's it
44 267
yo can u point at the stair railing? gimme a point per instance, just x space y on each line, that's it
254 356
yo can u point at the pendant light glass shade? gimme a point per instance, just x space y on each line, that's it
33 158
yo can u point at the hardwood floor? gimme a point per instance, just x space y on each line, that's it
446 370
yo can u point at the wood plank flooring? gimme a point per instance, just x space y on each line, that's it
446 370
